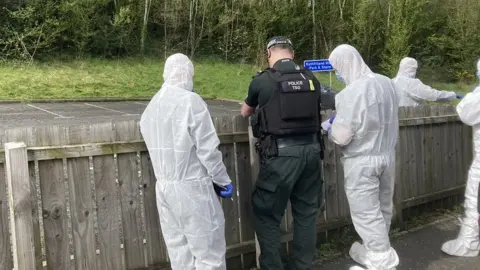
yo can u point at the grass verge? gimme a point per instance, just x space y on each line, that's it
130 78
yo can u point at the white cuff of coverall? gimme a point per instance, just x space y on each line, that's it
341 134
224 181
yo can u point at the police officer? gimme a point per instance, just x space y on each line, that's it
287 123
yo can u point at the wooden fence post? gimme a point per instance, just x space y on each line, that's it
398 189
255 167
20 204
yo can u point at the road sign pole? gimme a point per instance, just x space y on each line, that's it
330 75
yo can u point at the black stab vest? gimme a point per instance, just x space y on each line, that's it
294 107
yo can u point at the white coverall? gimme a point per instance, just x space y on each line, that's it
411 91
366 129
182 143
467 242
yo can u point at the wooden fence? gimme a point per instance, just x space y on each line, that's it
90 195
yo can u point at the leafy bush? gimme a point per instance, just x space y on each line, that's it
441 34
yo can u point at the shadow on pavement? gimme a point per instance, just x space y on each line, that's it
420 250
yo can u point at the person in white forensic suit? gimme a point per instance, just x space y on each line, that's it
467 242
366 129
182 144
412 92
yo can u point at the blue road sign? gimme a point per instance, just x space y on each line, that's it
318 65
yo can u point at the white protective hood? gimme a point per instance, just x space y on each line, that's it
179 72
408 68
469 110
478 69
349 63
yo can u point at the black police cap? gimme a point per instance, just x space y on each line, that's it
279 40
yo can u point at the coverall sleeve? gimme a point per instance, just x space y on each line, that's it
350 108
419 91
206 141
253 92
468 109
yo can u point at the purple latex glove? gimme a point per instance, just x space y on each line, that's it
327 126
332 118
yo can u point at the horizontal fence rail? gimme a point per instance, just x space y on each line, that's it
92 189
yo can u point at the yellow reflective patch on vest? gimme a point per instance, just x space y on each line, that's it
312 87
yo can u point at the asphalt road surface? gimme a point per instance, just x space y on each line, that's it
74 113
420 250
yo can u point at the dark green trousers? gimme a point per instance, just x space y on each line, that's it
295 175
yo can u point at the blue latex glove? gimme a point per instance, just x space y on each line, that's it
332 118
227 191
459 96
